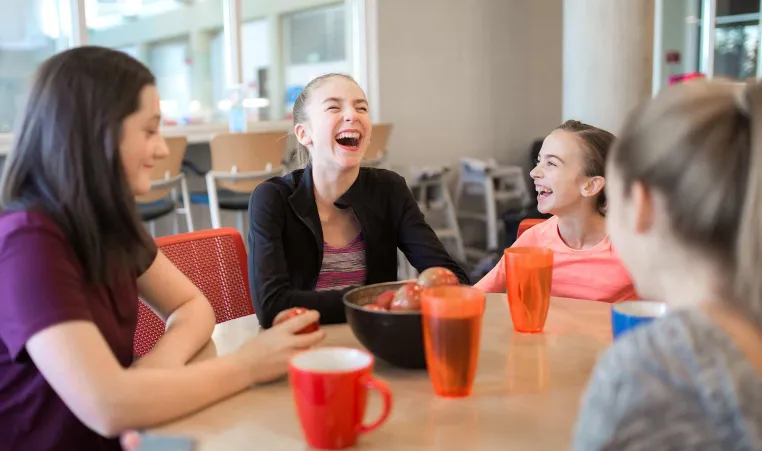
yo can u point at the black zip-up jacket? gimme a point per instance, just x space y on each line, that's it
286 240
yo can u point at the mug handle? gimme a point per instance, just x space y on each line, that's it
386 394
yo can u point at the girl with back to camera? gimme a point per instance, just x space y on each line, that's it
569 179
74 257
686 216
333 225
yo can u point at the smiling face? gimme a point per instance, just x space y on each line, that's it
559 177
337 127
141 143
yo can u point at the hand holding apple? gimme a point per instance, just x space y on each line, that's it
292 312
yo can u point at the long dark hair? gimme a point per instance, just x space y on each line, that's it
65 160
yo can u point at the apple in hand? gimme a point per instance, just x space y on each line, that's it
292 312
437 276
407 298
384 300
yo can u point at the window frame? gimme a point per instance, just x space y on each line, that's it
363 46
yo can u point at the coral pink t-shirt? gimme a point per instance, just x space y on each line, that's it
595 274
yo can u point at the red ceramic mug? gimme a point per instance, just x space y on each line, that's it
330 387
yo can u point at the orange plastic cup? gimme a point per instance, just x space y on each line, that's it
452 325
528 276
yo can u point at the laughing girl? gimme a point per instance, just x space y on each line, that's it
318 231
569 179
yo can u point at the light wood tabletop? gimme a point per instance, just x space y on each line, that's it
526 394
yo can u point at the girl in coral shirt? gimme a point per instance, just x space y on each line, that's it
569 179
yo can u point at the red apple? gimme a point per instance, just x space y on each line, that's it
434 277
384 299
374 307
407 298
292 312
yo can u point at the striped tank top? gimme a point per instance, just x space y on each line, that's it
342 267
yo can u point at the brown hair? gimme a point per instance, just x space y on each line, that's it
699 145
65 159
596 143
301 154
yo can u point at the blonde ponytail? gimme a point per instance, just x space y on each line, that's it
299 157
748 268
699 144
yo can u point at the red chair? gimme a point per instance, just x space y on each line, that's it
527 224
215 261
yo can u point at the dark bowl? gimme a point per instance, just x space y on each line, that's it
395 337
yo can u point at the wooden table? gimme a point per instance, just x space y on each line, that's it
526 394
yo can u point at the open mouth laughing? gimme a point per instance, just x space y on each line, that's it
543 192
349 139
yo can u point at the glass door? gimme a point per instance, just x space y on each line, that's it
712 38
736 39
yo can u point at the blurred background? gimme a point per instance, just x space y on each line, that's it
476 77
479 79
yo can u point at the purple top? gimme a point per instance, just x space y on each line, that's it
42 284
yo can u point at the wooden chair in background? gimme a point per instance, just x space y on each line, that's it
164 198
240 162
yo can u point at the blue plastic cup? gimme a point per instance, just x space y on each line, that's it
628 315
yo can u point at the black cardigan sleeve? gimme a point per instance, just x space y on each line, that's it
269 280
416 238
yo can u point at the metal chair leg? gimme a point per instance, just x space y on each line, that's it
240 223
491 211
453 223
214 205
186 204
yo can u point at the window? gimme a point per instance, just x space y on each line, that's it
736 50
736 38
173 39
255 64
737 7
283 45
316 36
315 43
730 49
30 32
281 53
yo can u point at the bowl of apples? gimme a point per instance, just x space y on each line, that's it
386 317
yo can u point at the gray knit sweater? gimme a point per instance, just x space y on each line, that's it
677 383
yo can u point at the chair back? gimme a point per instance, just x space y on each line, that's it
247 152
167 167
215 261
149 330
527 224
378 141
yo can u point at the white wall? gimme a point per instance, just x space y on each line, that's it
608 59
476 78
